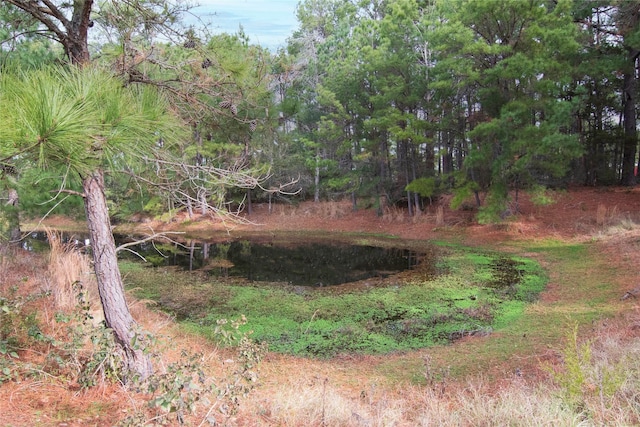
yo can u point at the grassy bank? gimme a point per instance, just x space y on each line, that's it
474 293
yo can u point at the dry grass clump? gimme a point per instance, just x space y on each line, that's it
439 216
326 210
69 269
606 216
601 375
320 403
621 226
516 404
394 214
621 229
471 404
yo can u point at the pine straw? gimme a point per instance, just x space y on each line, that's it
52 402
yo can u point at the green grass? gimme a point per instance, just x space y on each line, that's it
581 295
477 292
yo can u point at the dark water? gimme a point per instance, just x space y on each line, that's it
37 241
297 263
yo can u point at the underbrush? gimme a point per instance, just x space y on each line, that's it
50 336
476 293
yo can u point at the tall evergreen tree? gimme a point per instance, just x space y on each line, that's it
518 54
86 118
82 118
628 23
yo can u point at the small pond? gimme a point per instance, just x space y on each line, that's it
299 263
333 294
302 264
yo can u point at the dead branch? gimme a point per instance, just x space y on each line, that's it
152 237
197 184
281 189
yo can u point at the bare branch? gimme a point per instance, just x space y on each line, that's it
281 189
62 189
25 235
152 237
44 15
135 253
52 10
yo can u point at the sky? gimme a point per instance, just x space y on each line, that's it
267 22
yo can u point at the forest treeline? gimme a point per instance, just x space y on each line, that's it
382 102
407 99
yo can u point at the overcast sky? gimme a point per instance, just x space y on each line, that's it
266 22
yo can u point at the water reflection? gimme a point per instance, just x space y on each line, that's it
301 264
36 241
308 264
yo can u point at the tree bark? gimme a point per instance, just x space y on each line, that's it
628 23
630 132
249 202
77 47
316 194
12 217
110 286
72 33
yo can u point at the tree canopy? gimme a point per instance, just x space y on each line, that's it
408 99
383 102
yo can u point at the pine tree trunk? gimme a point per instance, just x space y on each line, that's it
630 127
316 195
110 287
249 202
12 216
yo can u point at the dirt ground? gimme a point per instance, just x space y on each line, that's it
605 215
578 214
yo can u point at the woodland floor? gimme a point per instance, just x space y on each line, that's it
575 214
578 215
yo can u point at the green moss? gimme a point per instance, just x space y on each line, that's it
479 292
